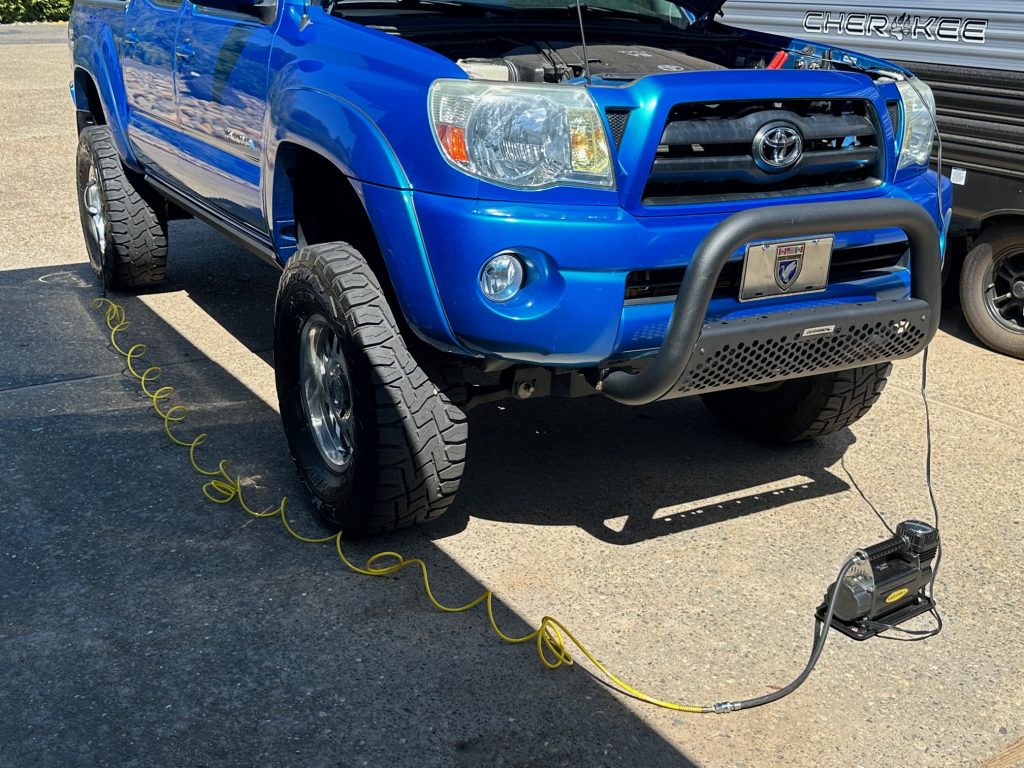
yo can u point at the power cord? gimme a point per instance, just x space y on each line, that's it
912 635
820 633
551 637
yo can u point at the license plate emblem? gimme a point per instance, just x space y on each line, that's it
785 267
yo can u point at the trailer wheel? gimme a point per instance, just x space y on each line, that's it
992 289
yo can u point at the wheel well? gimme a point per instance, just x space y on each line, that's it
314 202
1002 219
87 98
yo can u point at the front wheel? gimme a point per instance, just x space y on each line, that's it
800 409
992 289
377 444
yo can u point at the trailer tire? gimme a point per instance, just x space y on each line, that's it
992 289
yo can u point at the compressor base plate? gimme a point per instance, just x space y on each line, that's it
862 629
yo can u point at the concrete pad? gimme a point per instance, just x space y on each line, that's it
146 626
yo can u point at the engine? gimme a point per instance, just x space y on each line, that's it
554 62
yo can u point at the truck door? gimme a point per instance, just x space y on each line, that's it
147 61
222 85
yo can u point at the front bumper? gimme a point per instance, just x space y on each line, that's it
701 357
572 311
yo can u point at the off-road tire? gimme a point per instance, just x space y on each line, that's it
410 439
800 409
1005 241
135 254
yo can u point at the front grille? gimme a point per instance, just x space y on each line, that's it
773 357
707 151
847 264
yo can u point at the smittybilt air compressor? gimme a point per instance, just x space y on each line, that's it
886 585
877 589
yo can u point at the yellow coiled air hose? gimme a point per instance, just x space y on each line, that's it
551 638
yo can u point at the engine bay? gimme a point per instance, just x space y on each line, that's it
546 47
556 61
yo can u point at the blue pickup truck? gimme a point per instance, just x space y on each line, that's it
518 198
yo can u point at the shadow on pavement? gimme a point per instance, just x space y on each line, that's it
141 625
155 628
955 324
627 475
232 286
671 452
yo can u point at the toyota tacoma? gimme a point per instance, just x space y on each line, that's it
495 199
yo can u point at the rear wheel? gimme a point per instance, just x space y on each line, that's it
992 289
800 409
377 444
124 219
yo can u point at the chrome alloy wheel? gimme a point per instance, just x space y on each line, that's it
1004 297
92 197
327 396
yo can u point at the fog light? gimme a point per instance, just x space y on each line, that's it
502 277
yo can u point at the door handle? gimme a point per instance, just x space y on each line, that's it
184 52
131 39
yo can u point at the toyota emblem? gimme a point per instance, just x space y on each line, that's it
777 147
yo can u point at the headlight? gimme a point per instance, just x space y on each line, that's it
524 136
918 123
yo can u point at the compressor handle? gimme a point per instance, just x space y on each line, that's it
887 548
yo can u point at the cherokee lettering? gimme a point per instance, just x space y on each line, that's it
900 26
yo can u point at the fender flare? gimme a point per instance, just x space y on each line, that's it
343 134
97 59
336 129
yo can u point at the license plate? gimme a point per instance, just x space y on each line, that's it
786 267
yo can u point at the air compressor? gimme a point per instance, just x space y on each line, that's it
886 585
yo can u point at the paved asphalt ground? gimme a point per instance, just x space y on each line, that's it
143 626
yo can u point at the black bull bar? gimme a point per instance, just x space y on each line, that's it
698 357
